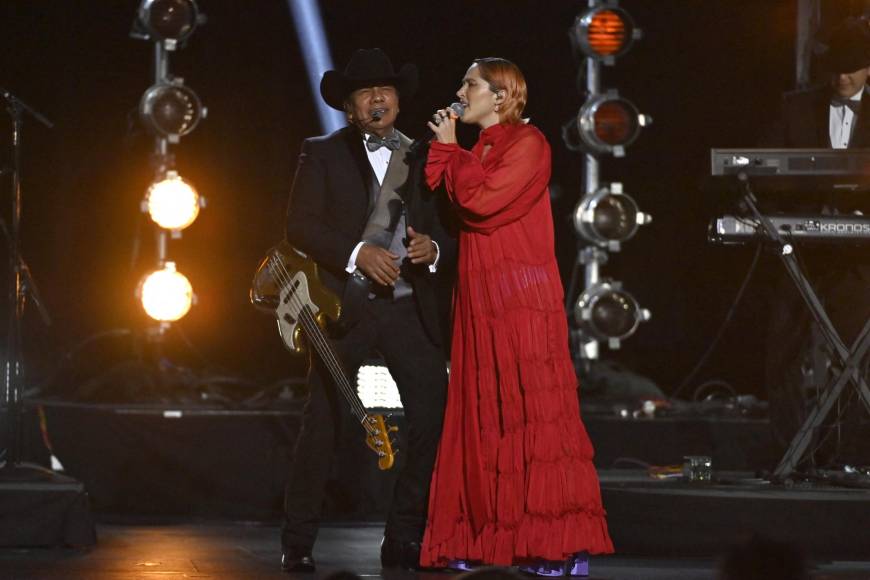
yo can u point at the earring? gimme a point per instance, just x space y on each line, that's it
496 108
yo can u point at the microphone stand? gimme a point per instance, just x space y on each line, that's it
20 284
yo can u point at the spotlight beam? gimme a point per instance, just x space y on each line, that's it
315 51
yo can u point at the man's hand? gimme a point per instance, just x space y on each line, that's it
421 249
378 264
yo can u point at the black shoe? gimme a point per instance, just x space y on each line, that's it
398 554
297 560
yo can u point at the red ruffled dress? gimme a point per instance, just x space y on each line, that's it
514 478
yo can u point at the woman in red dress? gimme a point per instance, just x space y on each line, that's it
514 482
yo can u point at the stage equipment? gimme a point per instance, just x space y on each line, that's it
169 22
607 313
172 203
171 110
166 294
605 216
608 123
40 507
608 217
604 32
851 164
848 364
840 229
376 387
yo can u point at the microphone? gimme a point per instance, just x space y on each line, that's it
457 108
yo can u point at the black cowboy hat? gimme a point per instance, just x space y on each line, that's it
367 67
848 47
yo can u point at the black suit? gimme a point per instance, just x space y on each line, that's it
840 274
333 194
804 122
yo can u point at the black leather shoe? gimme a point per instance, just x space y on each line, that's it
297 560
398 554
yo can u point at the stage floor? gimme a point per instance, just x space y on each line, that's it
244 551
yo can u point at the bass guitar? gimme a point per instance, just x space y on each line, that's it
287 284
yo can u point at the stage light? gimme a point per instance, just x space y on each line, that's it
608 123
166 294
606 312
171 110
376 388
604 32
172 203
169 21
608 217
315 52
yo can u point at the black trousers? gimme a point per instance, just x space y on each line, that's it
417 364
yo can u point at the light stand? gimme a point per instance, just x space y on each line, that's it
21 284
604 217
57 510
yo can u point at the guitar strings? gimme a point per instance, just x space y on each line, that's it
317 339
278 270
314 334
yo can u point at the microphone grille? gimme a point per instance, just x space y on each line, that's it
458 108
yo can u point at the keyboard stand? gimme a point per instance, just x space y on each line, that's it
850 359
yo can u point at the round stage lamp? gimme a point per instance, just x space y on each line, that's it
608 216
606 312
608 123
173 203
166 294
604 32
171 110
170 21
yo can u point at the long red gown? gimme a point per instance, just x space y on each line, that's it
514 479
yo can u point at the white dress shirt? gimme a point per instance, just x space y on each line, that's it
841 123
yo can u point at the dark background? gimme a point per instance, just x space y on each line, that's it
709 72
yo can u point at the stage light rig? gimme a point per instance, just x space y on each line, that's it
605 216
169 110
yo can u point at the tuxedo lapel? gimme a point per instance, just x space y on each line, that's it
354 142
823 120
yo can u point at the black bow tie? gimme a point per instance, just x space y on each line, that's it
851 103
391 142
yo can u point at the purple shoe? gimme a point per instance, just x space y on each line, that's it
578 565
544 568
460 565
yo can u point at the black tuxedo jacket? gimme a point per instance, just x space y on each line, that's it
804 122
330 205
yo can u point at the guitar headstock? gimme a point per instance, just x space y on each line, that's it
378 439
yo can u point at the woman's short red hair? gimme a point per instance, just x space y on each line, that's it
503 75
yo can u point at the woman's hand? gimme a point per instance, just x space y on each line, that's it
443 125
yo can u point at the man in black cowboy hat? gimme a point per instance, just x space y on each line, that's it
359 208
835 115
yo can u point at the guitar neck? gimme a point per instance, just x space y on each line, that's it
321 344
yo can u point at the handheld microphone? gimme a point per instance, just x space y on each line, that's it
457 108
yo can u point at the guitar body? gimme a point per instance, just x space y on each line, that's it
287 284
